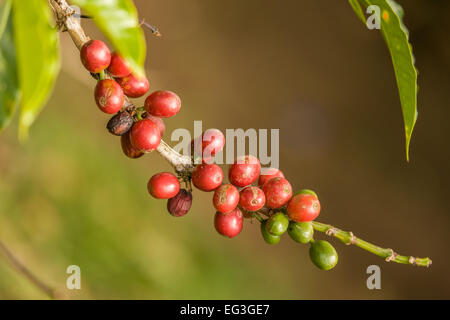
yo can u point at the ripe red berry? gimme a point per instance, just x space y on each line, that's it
109 96
159 123
119 67
207 177
210 142
133 86
95 56
303 207
163 104
163 185
229 224
179 205
252 199
145 136
127 147
226 198
278 192
244 171
268 174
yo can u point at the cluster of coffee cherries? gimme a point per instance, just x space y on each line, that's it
265 196
140 129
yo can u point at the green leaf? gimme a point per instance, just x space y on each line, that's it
396 37
37 57
9 92
118 20
358 10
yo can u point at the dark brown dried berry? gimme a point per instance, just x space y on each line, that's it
179 205
120 124
128 148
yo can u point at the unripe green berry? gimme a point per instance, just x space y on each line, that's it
268 238
277 224
323 255
306 191
301 231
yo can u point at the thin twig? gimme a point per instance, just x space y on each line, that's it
18 266
387 254
153 29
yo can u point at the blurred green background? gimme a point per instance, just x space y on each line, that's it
68 196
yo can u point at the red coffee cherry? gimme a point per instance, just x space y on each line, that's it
303 207
159 123
128 148
133 86
163 185
95 56
244 171
207 177
179 205
229 224
211 142
226 198
109 96
145 136
163 104
268 174
119 67
278 192
252 199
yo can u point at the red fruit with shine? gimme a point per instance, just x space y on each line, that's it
133 86
303 208
252 199
109 96
226 198
163 104
229 224
95 56
163 185
159 123
211 142
268 174
207 177
278 192
119 67
244 171
128 148
145 136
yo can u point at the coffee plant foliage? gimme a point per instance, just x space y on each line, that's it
30 60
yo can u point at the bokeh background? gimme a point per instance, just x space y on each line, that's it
69 196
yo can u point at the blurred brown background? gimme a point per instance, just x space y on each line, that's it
310 68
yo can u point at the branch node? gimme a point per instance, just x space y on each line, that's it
331 231
392 256
353 239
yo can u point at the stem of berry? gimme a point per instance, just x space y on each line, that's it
387 254
183 165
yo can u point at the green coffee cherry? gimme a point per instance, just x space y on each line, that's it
269 238
277 224
323 255
306 191
301 231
